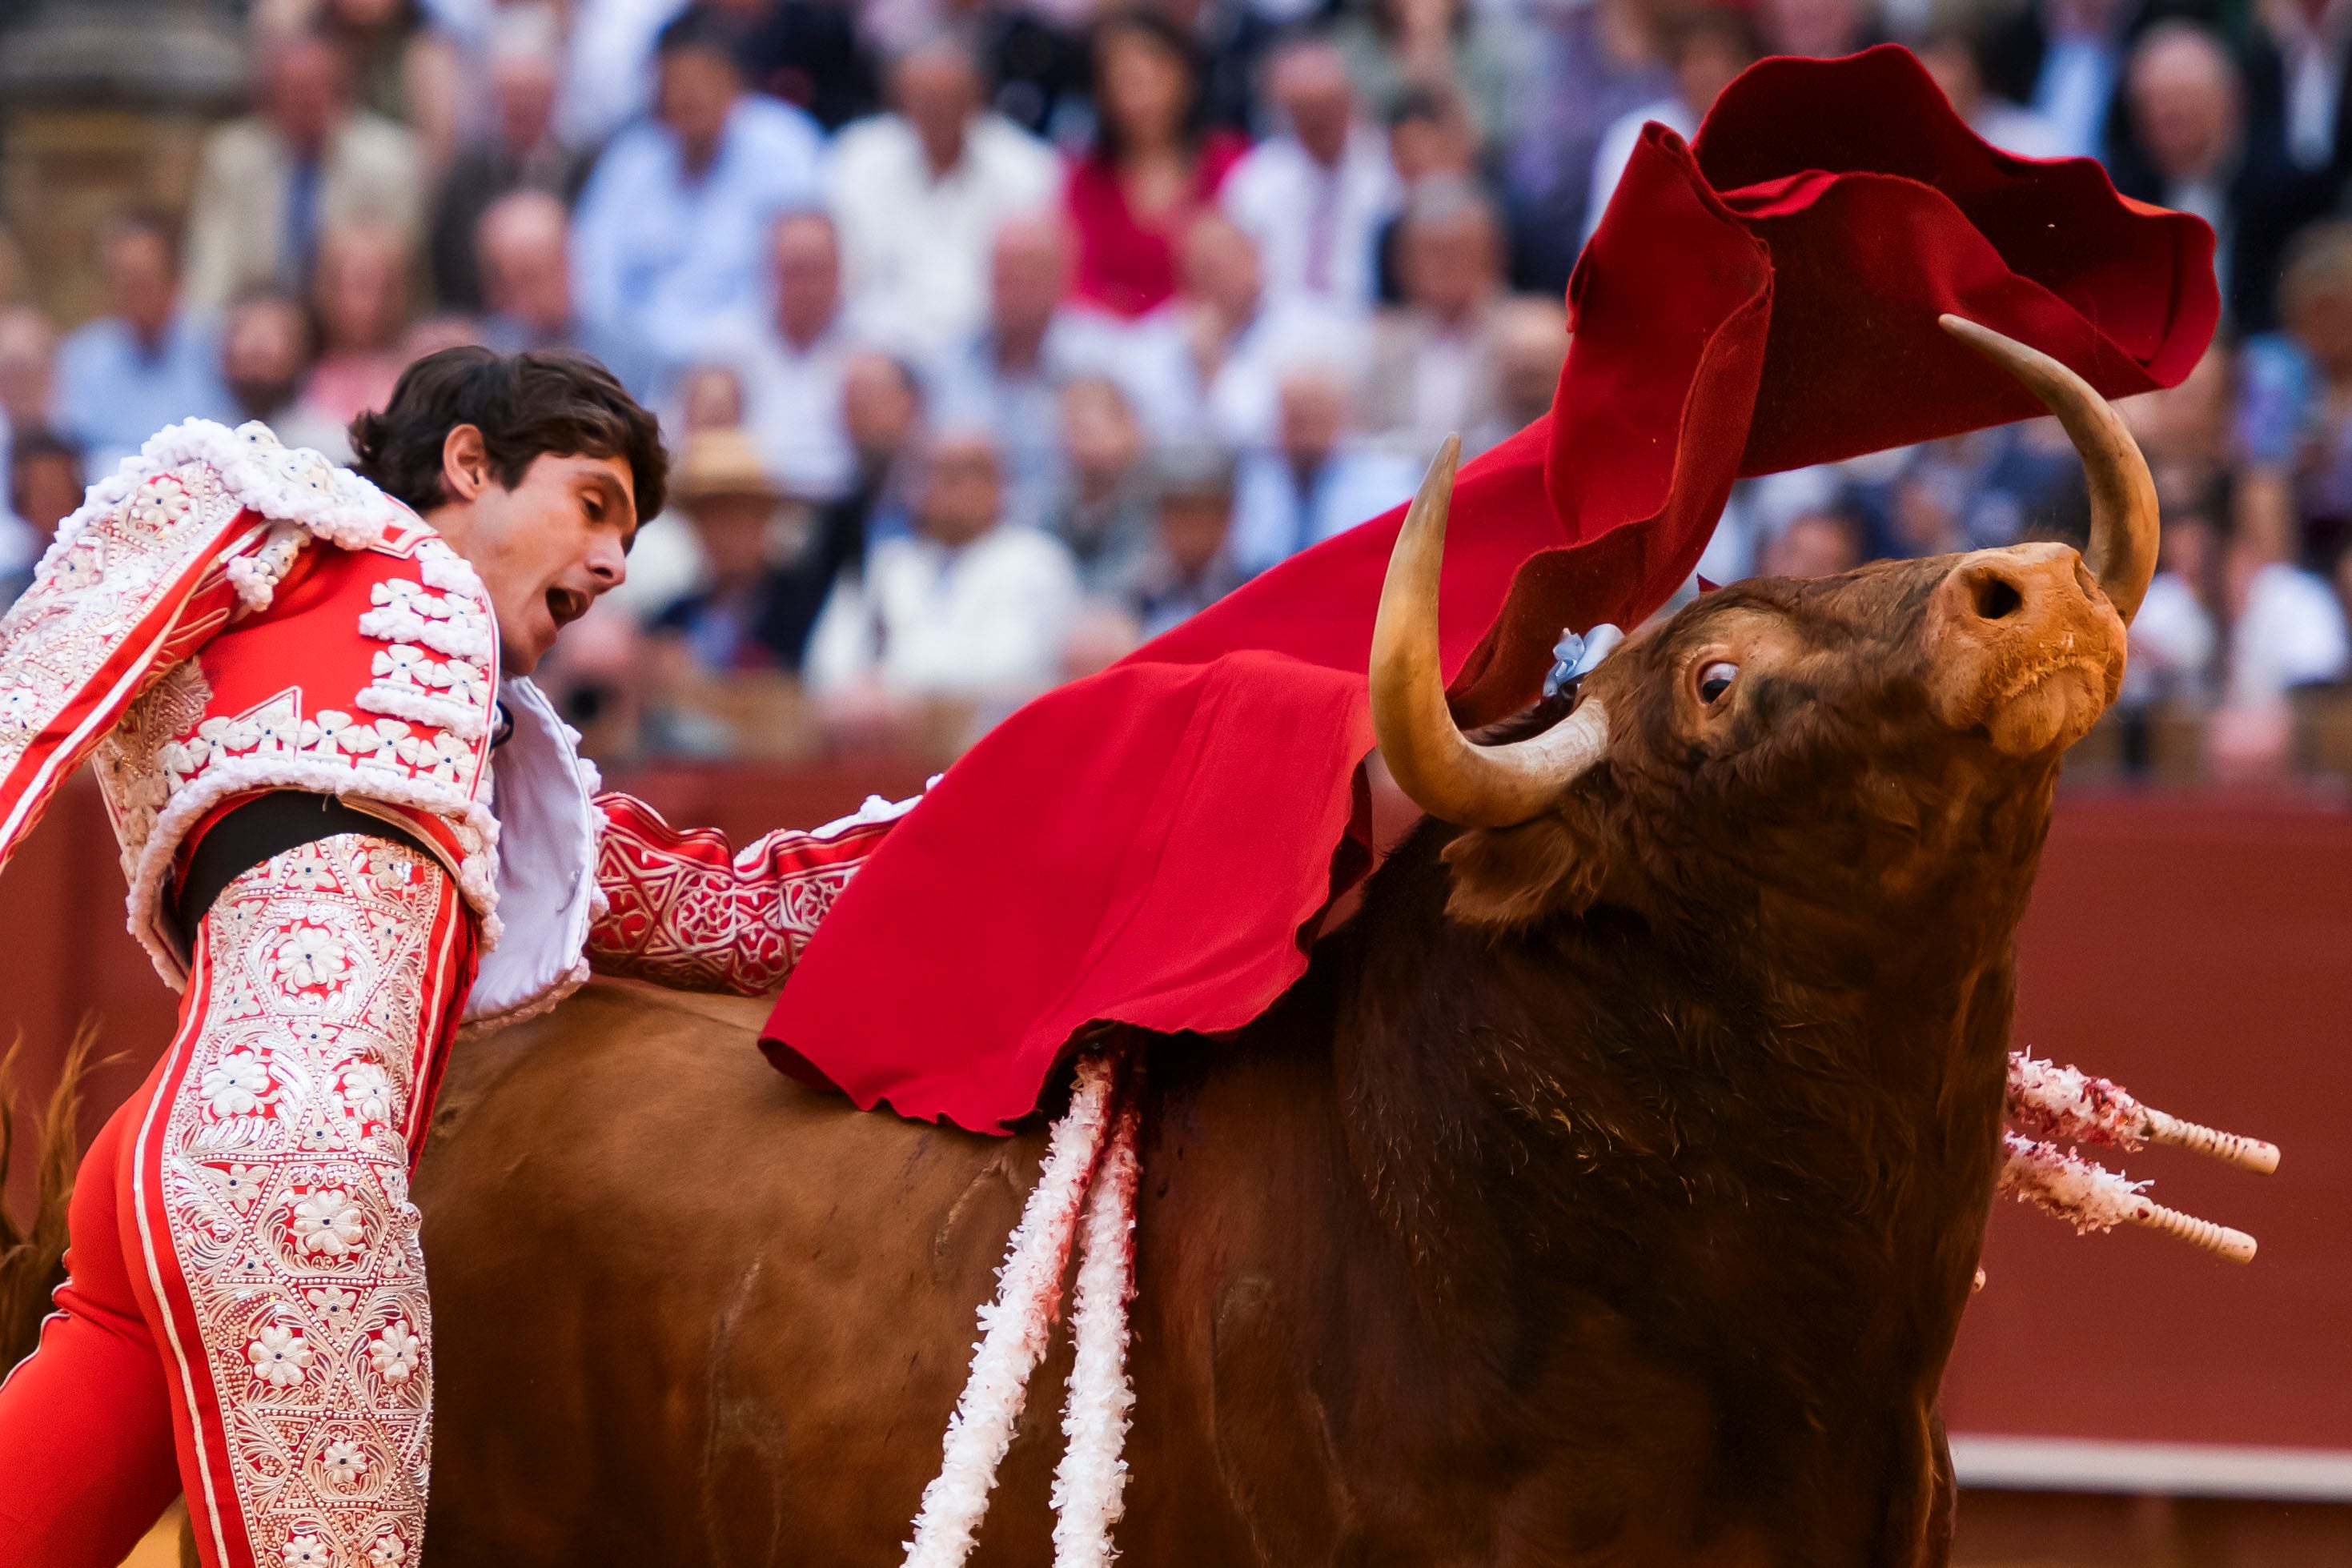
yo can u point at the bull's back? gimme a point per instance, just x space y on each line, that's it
687 1311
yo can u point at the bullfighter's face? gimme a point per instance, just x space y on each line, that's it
545 548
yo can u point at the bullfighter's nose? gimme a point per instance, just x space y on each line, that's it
2024 643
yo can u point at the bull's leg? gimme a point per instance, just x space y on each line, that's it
273 1246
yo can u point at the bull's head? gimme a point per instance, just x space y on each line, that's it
1877 724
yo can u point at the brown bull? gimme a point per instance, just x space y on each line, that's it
1608 1191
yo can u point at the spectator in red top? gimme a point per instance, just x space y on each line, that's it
1151 167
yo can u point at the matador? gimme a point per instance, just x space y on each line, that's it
352 827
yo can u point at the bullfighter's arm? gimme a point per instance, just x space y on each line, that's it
685 910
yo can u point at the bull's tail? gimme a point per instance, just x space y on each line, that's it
32 1256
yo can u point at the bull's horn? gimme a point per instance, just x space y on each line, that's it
1438 770
2122 554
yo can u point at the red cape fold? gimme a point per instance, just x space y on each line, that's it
1154 845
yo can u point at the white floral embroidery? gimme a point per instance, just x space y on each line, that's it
401 664
328 1221
198 486
311 957
389 868
271 732
77 568
440 754
396 1352
160 504
257 576
388 1551
310 1304
280 1355
22 708
308 1552
367 1092
311 872
333 1307
345 1464
236 1085
243 1184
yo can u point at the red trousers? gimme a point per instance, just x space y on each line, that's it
245 1318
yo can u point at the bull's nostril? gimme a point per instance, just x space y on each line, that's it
1997 597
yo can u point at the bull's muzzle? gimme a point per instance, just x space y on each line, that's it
2024 642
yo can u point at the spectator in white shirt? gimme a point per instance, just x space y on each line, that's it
45 481
29 351
969 608
1206 365
1320 478
672 227
1706 50
145 365
1007 377
1314 196
791 359
919 194
524 251
1435 361
1949 53
2288 629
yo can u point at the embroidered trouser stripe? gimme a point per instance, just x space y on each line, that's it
275 1245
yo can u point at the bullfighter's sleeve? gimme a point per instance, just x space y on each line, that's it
270 1173
683 910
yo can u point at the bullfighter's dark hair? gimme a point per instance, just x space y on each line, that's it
524 405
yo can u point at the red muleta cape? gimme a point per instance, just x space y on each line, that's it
1153 845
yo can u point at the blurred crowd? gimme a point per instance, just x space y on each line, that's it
995 337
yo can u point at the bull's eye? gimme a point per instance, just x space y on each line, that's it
1715 680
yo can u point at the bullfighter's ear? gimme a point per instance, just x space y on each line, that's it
1507 878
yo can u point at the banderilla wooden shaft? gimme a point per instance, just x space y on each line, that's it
2230 1148
2219 1239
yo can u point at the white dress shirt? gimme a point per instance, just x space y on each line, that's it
2290 633
660 253
987 620
1236 406
1317 229
914 250
791 401
1617 144
1275 518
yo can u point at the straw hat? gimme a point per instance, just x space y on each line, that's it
722 462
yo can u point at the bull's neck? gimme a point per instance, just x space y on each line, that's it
1577 1141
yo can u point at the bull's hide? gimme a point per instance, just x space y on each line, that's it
688 1312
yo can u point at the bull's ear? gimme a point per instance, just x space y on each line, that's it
1507 878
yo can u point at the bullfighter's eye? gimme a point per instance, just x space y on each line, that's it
1715 680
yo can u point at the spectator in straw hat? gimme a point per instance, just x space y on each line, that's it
767 567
